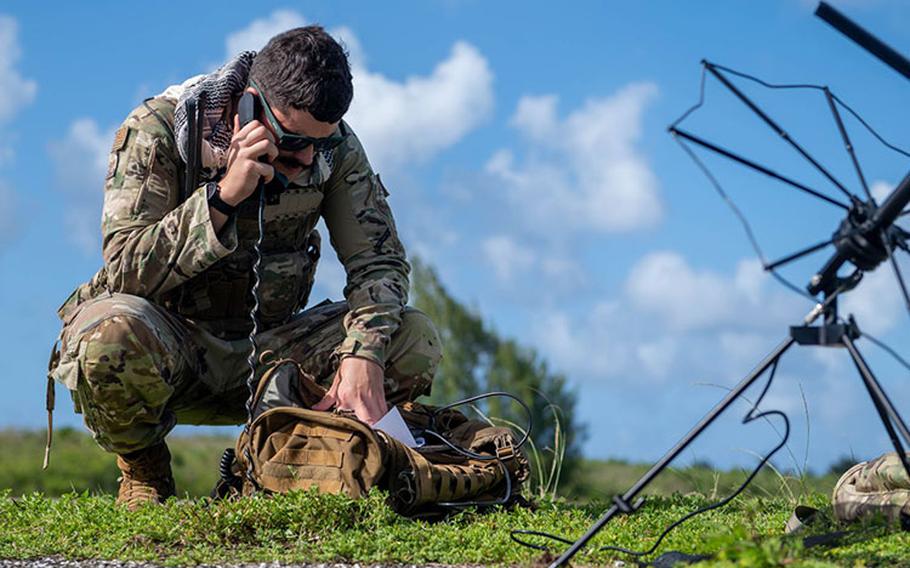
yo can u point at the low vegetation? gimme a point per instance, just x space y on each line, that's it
69 511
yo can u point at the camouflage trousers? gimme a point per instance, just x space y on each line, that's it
879 486
135 369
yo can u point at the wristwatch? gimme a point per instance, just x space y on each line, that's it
213 195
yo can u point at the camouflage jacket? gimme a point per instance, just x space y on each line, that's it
159 247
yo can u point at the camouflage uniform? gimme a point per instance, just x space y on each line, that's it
159 335
877 486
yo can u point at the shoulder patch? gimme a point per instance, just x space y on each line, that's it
120 139
114 157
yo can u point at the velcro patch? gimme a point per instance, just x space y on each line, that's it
113 159
120 139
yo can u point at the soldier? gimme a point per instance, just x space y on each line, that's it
158 336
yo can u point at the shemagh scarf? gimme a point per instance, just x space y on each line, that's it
220 87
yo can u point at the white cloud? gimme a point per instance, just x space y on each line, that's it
638 350
399 122
413 120
744 347
880 190
512 261
658 357
585 167
351 44
536 116
259 32
671 319
80 164
15 91
564 269
663 284
330 274
80 158
507 257
588 347
597 348
877 302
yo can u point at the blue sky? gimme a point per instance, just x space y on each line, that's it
525 148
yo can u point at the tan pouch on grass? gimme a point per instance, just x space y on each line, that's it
290 447
878 486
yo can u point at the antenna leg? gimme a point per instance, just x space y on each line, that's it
888 414
626 503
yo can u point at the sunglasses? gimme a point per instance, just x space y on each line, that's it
291 142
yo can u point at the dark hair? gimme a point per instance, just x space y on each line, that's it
305 69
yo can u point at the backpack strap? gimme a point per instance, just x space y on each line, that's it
195 112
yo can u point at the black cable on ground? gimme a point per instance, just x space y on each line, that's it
507 497
750 416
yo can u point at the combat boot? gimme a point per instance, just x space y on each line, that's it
146 476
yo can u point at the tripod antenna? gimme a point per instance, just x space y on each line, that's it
776 127
865 238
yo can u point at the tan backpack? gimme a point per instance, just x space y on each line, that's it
289 447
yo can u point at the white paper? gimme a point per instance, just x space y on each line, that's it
393 425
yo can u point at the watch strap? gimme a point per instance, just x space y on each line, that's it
215 201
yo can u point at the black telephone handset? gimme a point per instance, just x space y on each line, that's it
248 109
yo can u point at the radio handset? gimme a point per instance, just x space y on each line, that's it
248 109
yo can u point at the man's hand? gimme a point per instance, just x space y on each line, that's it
358 387
244 168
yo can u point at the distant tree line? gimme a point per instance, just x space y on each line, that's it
476 359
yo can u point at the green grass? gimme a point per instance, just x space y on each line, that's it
310 527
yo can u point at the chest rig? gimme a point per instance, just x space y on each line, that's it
286 242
